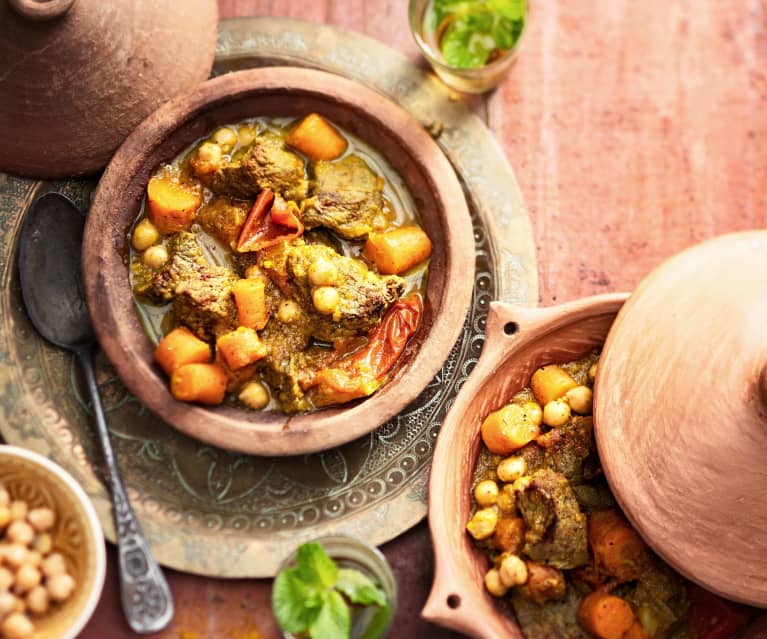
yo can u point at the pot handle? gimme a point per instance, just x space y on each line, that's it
40 10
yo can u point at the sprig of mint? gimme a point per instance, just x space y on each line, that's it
476 28
312 597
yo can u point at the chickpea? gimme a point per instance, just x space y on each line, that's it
593 372
16 555
225 138
511 468
209 154
325 299
322 272
155 256
513 571
17 626
60 587
41 518
288 312
486 492
507 500
27 577
37 600
20 532
6 580
556 413
254 395
246 134
144 235
533 412
482 524
19 510
5 497
7 603
522 484
34 558
43 543
54 564
493 583
5 516
580 399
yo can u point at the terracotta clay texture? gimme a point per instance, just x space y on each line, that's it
74 85
278 91
681 418
519 340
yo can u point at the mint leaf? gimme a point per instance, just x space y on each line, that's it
511 9
467 43
359 588
378 623
315 567
293 602
334 619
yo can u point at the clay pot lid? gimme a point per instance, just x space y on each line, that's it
681 413
77 76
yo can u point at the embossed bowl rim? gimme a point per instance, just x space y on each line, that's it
278 91
91 519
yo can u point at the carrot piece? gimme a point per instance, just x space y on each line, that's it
636 632
180 347
250 298
240 347
316 138
399 250
618 549
605 616
508 429
201 383
172 205
550 383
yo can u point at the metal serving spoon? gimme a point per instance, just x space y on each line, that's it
51 285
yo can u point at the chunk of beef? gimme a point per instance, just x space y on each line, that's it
363 295
556 527
203 302
568 447
290 360
223 218
185 259
556 620
346 197
267 164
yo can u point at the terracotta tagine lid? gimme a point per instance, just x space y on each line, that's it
681 413
77 76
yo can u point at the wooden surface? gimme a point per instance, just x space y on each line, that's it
635 129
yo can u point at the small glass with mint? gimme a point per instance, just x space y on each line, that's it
471 44
334 588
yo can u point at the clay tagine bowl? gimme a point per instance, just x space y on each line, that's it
680 421
518 341
278 91
79 75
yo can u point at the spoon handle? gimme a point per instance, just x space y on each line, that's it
146 597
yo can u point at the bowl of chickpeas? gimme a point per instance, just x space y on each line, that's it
52 557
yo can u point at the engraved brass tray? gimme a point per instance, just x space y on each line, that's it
217 513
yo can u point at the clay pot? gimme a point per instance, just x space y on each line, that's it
519 340
76 76
292 92
680 421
